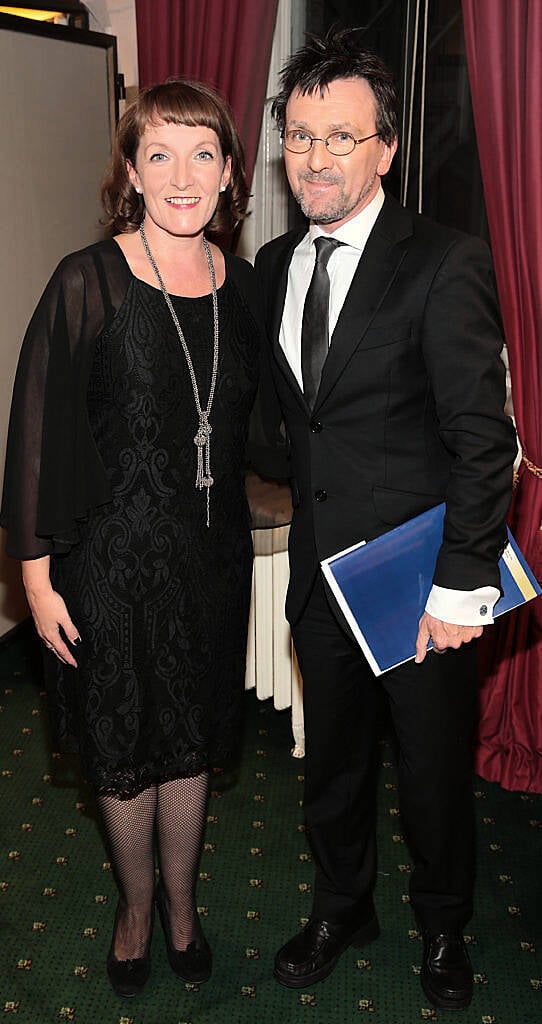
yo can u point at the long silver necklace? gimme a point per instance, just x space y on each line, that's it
202 439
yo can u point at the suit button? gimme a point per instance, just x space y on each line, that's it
316 426
320 495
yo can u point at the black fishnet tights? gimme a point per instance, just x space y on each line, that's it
181 818
174 814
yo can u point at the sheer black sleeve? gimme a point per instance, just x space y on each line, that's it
53 472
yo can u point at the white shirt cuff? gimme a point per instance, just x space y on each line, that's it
462 607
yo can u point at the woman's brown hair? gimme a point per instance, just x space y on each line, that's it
175 102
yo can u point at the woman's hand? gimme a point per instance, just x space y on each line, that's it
49 610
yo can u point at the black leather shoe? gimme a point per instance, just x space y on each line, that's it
446 971
194 963
129 977
312 954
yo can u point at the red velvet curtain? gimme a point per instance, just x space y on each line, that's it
504 52
225 43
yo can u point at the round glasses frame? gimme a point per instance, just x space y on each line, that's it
332 143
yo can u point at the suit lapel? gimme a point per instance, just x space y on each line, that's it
280 284
374 276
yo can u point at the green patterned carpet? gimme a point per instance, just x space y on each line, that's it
57 894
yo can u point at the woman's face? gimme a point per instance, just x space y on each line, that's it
180 171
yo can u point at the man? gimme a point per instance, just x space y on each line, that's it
402 411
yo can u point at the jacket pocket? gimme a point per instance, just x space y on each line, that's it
394 507
381 334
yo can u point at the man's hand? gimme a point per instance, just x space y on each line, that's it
443 634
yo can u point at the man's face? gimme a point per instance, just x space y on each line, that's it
332 189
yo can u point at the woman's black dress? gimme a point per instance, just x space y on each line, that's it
161 600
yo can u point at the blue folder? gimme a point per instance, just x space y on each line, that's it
382 586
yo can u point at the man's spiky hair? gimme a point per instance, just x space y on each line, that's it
338 54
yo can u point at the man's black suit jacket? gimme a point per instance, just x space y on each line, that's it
410 407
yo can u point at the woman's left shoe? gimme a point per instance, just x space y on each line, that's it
129 977
194 963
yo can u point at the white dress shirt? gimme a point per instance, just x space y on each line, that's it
460 607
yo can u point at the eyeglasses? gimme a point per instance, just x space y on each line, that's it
338 143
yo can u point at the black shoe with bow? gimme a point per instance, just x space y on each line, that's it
191 964
446 971
312 954
129 977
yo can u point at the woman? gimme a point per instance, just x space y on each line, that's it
124 500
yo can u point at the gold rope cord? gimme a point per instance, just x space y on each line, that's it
535 470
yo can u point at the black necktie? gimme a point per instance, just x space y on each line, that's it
315 326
